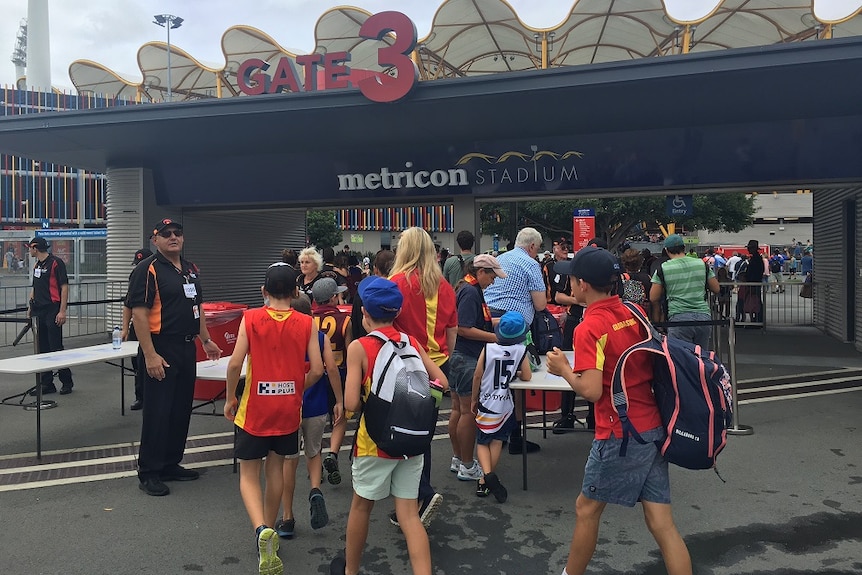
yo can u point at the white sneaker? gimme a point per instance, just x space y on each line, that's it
470 474
455 465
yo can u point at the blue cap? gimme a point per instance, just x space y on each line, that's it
381 298
511 329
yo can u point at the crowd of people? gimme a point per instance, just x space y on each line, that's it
309 363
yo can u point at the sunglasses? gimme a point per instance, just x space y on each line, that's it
167 233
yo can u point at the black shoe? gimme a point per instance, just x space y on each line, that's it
319 516
153 486
496 488
137 405
337 566
66 390
564 425
516 446
178 473
46 389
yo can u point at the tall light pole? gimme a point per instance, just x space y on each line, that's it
168 21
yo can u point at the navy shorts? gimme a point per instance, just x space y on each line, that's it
501 434
639 476
248 446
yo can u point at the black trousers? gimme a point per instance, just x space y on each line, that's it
425 489
167 406
50 339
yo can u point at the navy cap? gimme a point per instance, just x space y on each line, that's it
596 266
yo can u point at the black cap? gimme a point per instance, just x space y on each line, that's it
598 243
166 223
141 255
280 280
39 243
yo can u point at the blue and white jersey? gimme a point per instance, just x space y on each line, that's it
495 398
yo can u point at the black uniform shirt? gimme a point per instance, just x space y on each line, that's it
49 277
158 285
559 283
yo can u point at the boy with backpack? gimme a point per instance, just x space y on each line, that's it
492 403
607 330
315 409
276 340
376 472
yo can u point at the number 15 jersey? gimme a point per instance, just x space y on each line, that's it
495 398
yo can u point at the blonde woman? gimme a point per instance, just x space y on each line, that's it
310 264
429 314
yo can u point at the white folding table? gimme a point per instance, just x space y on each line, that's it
54 360
541 381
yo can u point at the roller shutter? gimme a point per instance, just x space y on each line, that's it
234 248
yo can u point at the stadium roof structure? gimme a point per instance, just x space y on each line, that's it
478 37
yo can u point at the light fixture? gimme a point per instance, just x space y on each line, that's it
168 22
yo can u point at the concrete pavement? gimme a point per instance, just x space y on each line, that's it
792 502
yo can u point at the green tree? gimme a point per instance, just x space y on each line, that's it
322 229
619 218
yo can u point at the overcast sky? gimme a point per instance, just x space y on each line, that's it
111 31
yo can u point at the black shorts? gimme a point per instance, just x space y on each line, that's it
248 446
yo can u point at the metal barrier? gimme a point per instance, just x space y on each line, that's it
87 311
736 428
780 304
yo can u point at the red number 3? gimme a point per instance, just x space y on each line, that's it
386 88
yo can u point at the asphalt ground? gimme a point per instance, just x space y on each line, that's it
791 504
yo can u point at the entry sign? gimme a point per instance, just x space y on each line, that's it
583 227
680 206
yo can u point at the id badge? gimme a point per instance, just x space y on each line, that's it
37 272
190 290
196 309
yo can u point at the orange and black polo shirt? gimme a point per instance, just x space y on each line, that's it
159 285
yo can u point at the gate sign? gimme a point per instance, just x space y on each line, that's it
680 206
583 227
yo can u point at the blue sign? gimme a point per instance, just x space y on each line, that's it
45 224
680 206
583 212
74 233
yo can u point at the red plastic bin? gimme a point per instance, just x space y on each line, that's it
553 400
223 319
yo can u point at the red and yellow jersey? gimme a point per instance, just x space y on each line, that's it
427 320
271 401
364 445
607 330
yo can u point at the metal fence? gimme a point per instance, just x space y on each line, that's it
780 304
83 316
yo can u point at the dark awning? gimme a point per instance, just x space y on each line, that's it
794 81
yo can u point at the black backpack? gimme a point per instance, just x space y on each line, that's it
693 393
546 331
775 265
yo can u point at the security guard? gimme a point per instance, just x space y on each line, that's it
48 300
165 297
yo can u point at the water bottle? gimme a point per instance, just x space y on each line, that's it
117 338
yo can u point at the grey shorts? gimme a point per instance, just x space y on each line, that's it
312 435
461 369
641 475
